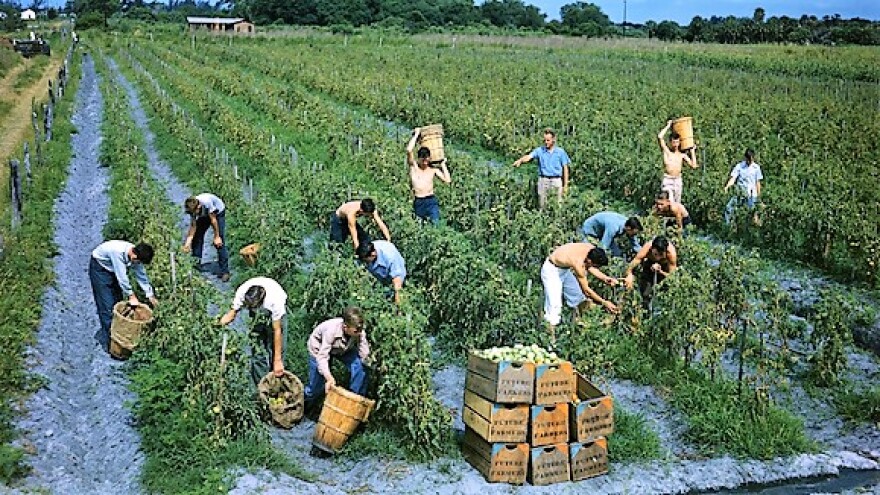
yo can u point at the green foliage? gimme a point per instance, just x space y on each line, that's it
722 421
91 20
8 60
468 279
89 11
32 74
512 14
830 337
584 19
633 439
859 406
12 465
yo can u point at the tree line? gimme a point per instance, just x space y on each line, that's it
576 19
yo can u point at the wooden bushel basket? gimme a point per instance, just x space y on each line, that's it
343 412
128 324
288 387
250 253
684 127
431 137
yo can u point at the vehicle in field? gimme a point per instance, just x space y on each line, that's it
29 48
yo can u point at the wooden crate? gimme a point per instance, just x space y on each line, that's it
504 382
554 383
548 424
498 462
508 423
588 459
593 416
550 464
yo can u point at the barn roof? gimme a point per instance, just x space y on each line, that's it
214 20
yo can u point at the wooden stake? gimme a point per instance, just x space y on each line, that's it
15 190
173 271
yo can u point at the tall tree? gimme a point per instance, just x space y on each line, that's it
759 14
585 19
512 14
105 8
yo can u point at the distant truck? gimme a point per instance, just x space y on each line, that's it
29 48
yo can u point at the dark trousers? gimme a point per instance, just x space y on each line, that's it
106 291
427 208
202 225
646 282
315 388
339 230
262 339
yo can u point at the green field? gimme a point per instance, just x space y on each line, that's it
285 128
315 120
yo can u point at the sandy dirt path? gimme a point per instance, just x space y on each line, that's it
16 127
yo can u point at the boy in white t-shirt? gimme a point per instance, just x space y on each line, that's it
266 301
747 176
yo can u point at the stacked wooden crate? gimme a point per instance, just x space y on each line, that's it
538 422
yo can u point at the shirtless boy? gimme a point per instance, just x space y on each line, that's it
664 207
564 273
672 160
421 175
343 222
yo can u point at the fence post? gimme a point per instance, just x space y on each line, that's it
48 120
39 150
173 271
27 162
15 190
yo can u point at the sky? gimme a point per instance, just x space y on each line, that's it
682 11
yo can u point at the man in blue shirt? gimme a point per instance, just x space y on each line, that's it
384 262
613 229
553 163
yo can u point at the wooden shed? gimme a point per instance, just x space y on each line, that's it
220 24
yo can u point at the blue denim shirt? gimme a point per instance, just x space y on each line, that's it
607 226
389 263
550 163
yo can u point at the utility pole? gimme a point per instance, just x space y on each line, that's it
624 18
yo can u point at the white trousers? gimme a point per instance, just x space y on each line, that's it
672 185
559 282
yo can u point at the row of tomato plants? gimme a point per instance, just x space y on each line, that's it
325 190
194 409
213 104
400 346
811 144
24 271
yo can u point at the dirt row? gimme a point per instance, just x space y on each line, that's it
78 428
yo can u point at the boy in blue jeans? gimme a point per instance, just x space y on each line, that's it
341 338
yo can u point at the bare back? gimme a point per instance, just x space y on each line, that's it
348 210
673 210
571 255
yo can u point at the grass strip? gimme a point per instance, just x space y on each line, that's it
24 272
